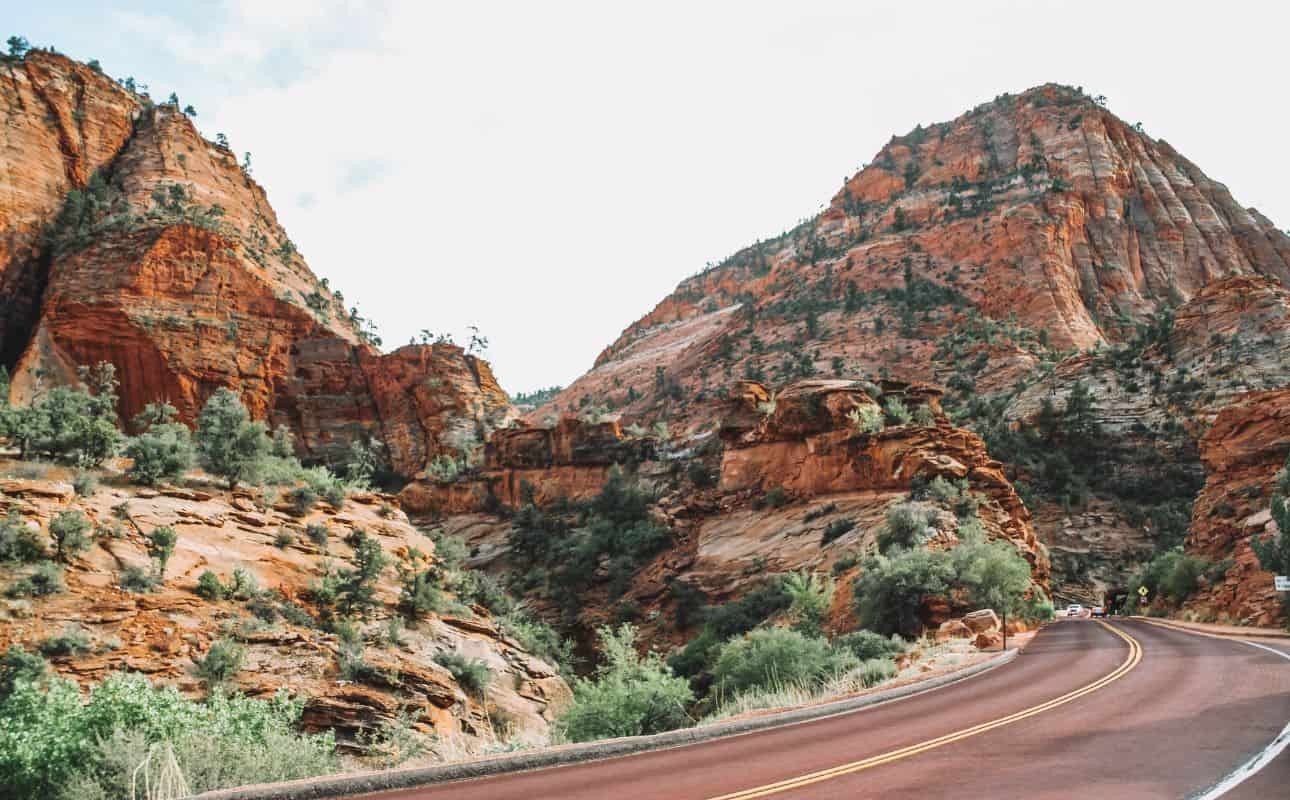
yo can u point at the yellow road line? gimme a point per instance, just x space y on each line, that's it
1135 655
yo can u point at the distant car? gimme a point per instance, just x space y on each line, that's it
1074 610
1099 611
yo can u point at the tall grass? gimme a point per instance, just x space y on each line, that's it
869 674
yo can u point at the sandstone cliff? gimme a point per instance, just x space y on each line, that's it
160 254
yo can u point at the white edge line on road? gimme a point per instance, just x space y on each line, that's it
1260 760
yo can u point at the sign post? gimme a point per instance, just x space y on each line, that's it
1142 595
1282 583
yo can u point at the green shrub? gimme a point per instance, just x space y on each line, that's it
52 738
68 529
776 656
72 425
471 674
1173 575
85 484
317 533
629 694
540 639
875 671
889 594
71 642
775 498
356 590
995 575
210 588
809 595
136 579
18 540
419 595
164 451
836 529
896 412
866 419
222 661
18 665
906 527
229 444
867 645
284 539
161 546
923 416
44 580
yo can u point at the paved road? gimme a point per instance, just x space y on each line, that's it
1273 781
1082 712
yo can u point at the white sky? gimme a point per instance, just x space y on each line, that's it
549 171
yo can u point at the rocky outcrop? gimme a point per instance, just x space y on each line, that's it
171 264
1243 453
570 460
159 633
63 122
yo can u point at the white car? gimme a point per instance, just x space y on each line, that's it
1075 610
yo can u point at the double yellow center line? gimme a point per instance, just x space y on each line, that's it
1135 655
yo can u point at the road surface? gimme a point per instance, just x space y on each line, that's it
1124 709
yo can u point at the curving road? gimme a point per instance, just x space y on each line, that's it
1120 710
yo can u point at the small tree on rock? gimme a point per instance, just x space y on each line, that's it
67 529
230 444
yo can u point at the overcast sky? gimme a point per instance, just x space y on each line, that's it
549 171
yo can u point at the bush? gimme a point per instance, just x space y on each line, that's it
866 419
68 529
229 444
18 541
44 580
73 425
85 484
71 642
1173 575
317 533
866 645
836 529
136 579
889 593
629 694
775 498
906 527
18 665
923 416
284 539
777 656
897 412
540 639
161 546
210 588
222 661
471 674
51 739
994 574
164 451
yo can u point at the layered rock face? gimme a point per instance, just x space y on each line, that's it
160 633
1042 207
169 262
1009 255
1242 452
63 122
800 444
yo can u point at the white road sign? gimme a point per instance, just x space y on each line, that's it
1283 583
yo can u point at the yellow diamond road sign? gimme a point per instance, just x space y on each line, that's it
1142 590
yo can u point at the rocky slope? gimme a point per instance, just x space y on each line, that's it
780 478
161 255
160 633
995 254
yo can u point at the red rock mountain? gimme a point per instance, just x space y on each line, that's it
1032 244
127 237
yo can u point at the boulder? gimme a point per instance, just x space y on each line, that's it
982 621
953 629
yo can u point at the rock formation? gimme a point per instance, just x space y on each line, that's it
1032 244
1243 453
160 254
160 633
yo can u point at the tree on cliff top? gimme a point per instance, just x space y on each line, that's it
229 443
